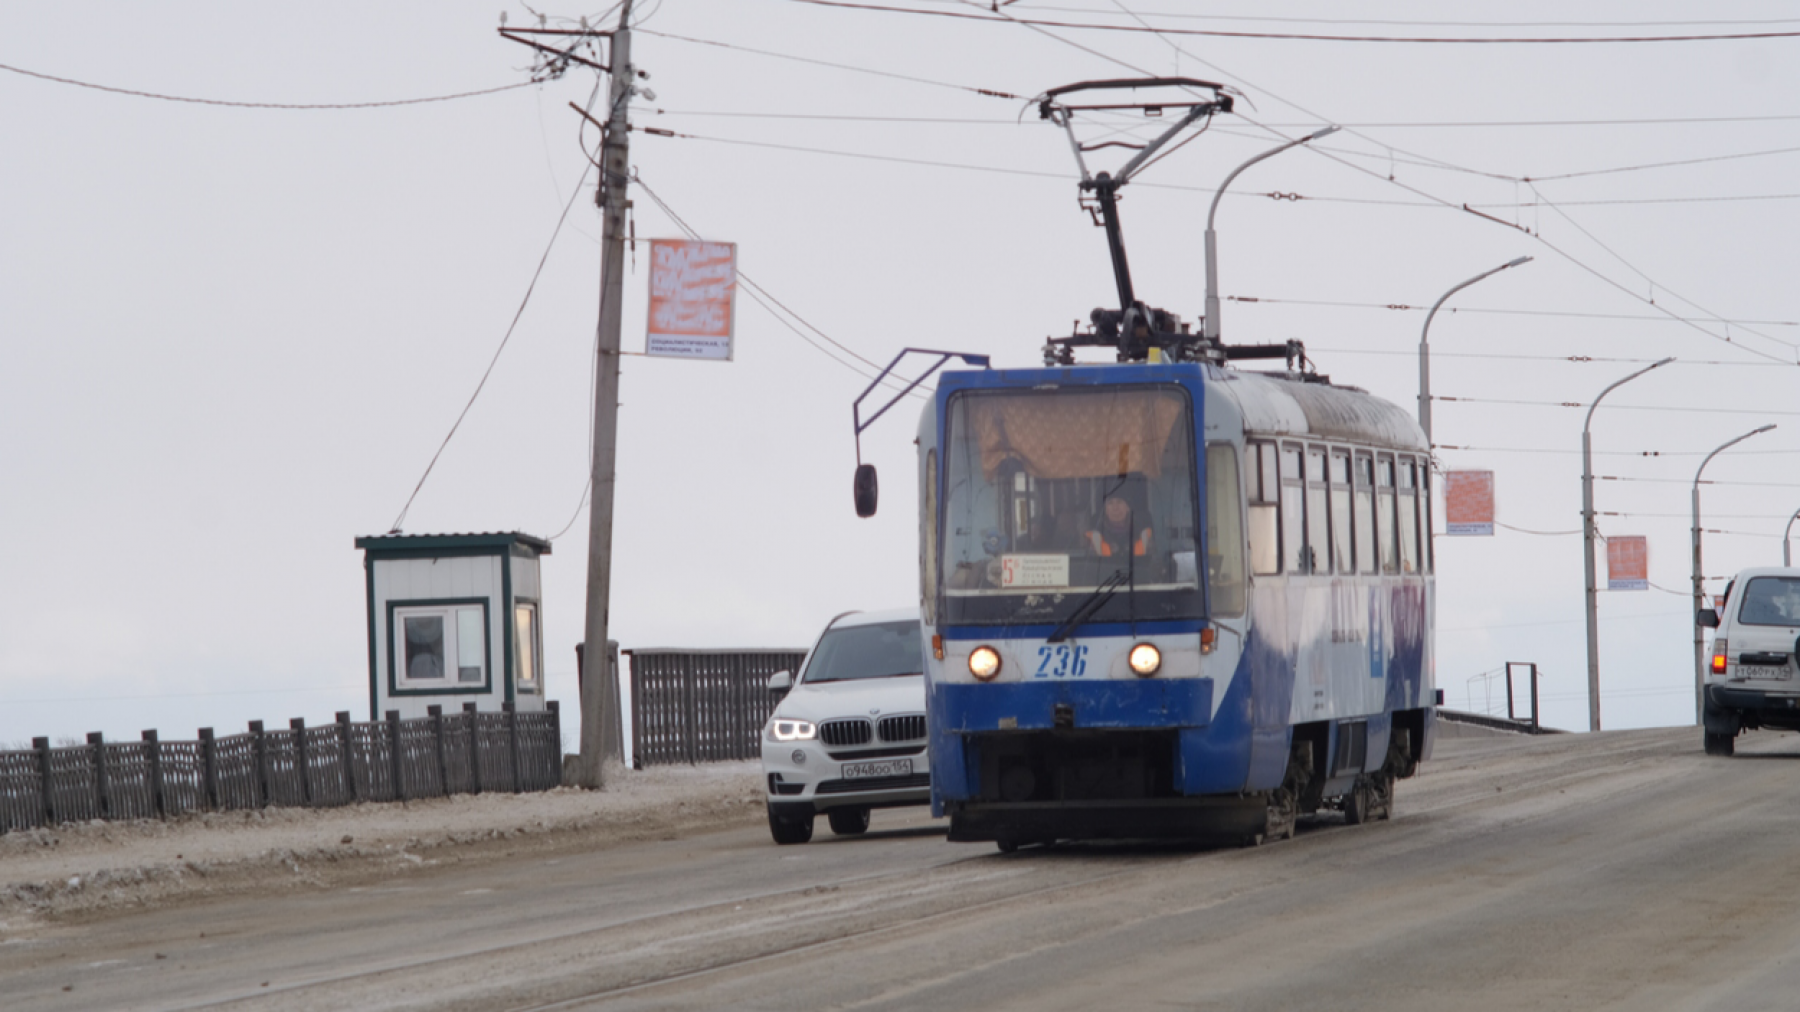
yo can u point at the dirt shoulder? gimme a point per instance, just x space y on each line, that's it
94 867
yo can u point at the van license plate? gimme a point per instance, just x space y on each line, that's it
886 768
1762 671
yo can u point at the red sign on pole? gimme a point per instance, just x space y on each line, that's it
693 291
1627 563
1469 503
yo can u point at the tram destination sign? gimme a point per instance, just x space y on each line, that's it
693 298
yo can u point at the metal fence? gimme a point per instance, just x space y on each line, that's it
318 767
690 706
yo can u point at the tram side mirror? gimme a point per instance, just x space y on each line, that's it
779 683
865 490
1707 617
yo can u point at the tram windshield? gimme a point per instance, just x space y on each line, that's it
1049 494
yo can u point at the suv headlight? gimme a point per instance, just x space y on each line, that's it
793 730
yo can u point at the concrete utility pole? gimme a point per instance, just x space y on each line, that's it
1699 589
600 687
1588 537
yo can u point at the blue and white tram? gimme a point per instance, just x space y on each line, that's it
1170 599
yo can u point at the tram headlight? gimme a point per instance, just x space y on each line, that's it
1144 659
984 663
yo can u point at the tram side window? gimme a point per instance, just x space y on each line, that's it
1342 561
928 547
1262 486
1293 512
1365 512
1427 555
1318 520
1224 531
1384 514
1409 516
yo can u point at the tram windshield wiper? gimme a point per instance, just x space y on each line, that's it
1095 601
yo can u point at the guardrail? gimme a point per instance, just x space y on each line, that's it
318 767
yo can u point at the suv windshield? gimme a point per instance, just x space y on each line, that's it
1052 493
879 650
1771 600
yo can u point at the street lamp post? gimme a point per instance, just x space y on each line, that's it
1699 596
1587 537
1425 350
1786 557
1210 326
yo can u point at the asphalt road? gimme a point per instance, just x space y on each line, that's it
1613 870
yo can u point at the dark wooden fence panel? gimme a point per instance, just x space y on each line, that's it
74 784
130 790
690 706
328 765
459 753
237 773
494 765
21 791
183 777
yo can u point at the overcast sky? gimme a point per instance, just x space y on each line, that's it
234 337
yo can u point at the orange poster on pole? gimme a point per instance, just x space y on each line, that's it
693 294
1469 503
1627 563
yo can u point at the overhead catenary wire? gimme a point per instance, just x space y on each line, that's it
265 105
1564 254
1292 36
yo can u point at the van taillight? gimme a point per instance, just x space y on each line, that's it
1718 657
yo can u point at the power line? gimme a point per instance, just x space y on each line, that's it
990 93
1538 450
520 312
1614 407
1451 310
264 105
1433 197
1421 24
1289 36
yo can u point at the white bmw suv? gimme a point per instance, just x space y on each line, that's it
849 735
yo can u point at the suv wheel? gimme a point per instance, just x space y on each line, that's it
788 830
1720 744
848 821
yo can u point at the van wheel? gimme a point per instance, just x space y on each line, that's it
848 821
787 829
1720 744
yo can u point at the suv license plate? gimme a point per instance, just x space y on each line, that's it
885 768
1762 671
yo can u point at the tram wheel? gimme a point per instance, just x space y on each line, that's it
1356 804
1007 846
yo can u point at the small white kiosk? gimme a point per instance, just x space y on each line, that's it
454 619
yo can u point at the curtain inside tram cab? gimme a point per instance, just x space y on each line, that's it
1072 434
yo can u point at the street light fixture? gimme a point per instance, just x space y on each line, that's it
1425 350
1699 597
1587 537
1210 327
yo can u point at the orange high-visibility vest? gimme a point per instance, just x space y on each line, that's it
1139 548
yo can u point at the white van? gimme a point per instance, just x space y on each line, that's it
1752 679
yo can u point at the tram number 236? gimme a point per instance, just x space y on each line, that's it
1061 661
